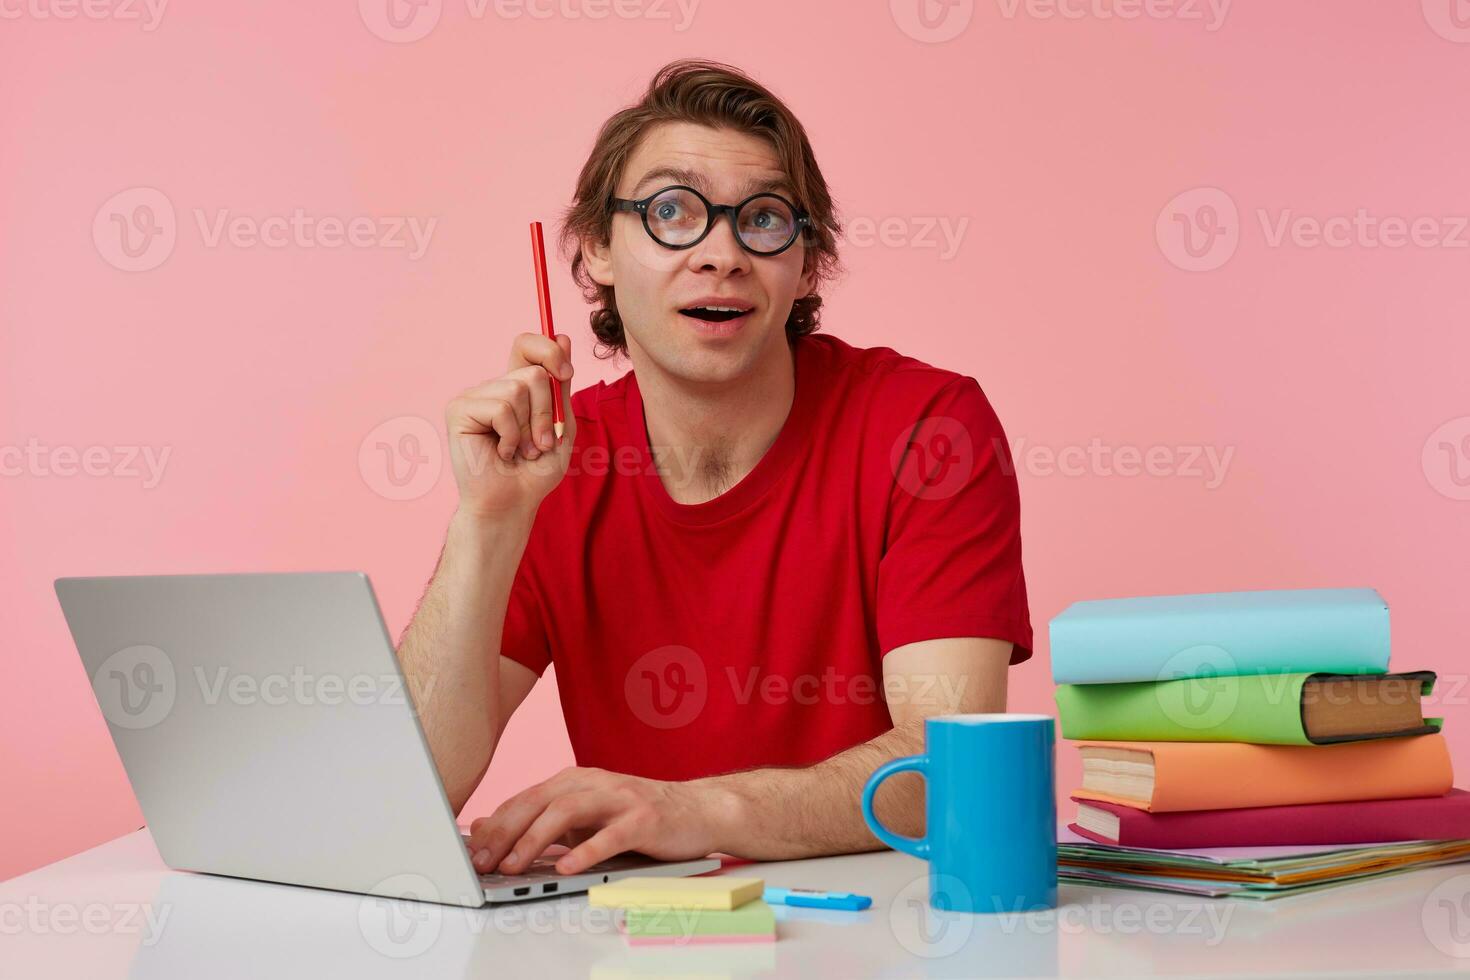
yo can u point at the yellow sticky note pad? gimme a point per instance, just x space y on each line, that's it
676 893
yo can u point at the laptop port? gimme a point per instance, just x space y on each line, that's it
522 891
551 887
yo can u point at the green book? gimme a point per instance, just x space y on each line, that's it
1269 709
754 918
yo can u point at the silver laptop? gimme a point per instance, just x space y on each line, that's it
267 732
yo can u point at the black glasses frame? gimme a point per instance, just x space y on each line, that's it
712 214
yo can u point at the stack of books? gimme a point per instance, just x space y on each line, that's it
1249 720
683 911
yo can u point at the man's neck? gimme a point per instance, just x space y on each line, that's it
707 438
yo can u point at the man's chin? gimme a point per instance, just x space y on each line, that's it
697 358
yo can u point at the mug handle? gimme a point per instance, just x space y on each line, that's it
917 846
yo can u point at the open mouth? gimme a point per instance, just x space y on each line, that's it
715 314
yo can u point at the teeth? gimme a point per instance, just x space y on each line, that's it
722 309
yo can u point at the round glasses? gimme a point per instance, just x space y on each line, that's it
680 217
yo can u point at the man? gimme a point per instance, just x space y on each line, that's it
759 560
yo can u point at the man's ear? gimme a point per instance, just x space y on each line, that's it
597 257
808 280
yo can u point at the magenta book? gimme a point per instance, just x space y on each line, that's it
1368 821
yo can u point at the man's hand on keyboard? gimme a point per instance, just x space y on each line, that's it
600 814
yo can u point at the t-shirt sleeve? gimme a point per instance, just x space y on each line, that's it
524 638
951 565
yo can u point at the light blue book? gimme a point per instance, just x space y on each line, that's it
1167 637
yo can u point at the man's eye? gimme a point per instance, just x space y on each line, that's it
769 219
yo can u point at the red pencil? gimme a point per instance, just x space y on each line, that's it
543 298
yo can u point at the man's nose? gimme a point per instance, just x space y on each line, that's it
720 252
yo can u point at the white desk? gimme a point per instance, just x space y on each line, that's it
87 916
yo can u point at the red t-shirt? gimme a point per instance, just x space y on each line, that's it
749 630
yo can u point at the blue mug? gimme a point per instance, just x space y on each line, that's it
991 814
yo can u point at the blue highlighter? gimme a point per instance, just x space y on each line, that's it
811 898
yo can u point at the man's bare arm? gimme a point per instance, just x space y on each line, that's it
506 460
763 814
794 813
464 690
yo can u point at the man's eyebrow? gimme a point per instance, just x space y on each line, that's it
694 179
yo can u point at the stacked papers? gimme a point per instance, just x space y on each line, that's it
1245 872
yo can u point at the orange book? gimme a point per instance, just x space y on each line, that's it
1164 777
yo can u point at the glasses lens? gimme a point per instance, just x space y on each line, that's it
676 217
766 224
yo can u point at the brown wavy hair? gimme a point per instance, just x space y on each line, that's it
710 94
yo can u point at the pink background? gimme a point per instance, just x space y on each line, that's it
1058 142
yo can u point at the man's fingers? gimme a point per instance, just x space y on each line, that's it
496 834
543 438
502 409
611 840
554 356
560 816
